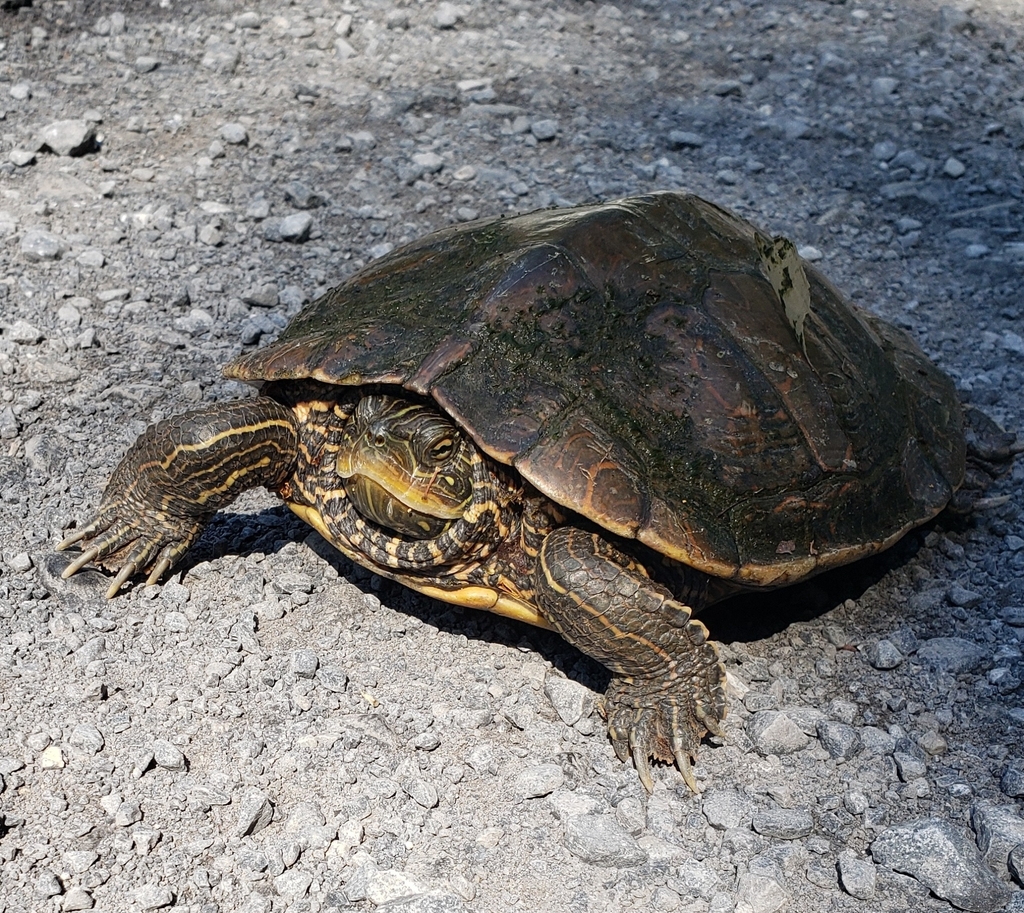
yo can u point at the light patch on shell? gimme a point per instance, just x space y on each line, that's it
785 271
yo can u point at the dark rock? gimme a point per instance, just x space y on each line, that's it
1012 780
840 740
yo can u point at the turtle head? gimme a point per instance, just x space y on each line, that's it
406 466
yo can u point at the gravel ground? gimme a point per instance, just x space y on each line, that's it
269 730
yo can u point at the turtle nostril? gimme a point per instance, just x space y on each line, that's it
379 440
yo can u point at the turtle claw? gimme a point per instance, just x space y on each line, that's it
712 724
119 580
74 538
684 761
641 760
621 746
162 567
87 557
643 769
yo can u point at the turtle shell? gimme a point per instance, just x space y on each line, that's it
641 363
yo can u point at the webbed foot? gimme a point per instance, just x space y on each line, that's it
665 717
131 540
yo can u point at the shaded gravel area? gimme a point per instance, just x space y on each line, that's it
275 730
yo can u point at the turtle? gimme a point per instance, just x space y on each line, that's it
599 420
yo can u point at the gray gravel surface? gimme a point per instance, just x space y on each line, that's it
275 730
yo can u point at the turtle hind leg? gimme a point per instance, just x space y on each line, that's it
990 455
668 685
176 476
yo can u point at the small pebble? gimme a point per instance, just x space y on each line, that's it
539 780
951 654
430 162
883 86
857 876
683 139
1015 864
292 886
783 823
51 758
422 792
883 655
77 898
153 897
599 839
86 738
1012 780
221 58
963 597
294 228
910 761
255 812
234 134
48 884
884 151
38 246
943 859
855 802
840 740
127 814
932 743
954 168
726 808
301 196
773 732
21 157
68 137
304 663
168 755
20 562
446 16
999 829
571 700
759 891
544 129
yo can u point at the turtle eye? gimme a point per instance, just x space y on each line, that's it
441 450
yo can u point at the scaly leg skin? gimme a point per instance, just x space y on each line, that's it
176 476
668 684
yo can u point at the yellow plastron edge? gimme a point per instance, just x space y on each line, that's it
472 597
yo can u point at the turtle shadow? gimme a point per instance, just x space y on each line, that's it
743 618
759 615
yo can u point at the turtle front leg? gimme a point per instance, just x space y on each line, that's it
176 476
668 684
